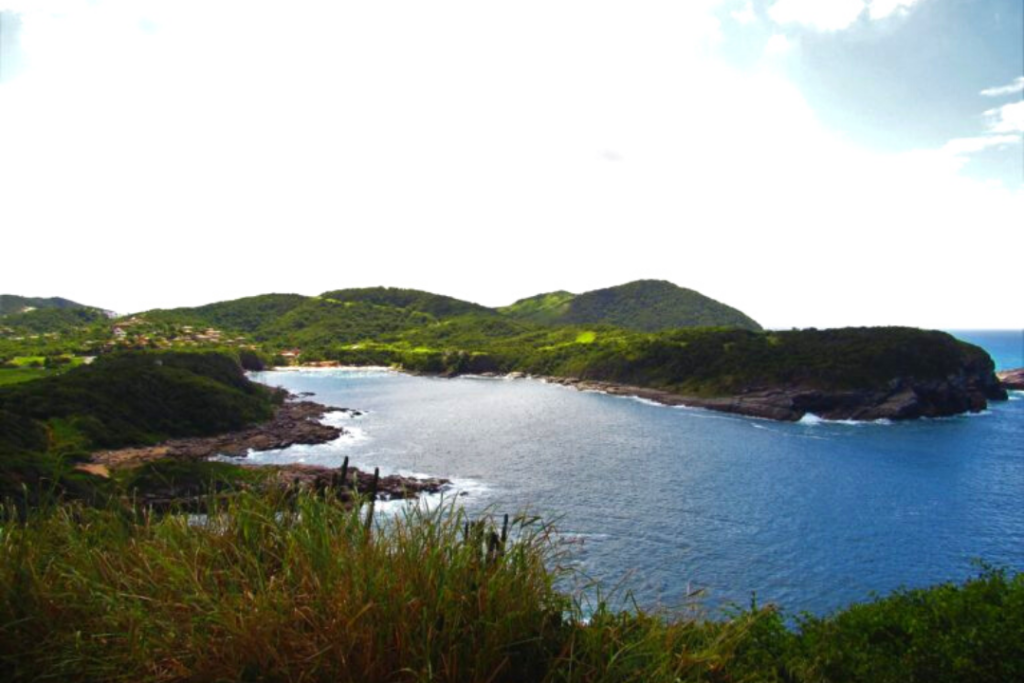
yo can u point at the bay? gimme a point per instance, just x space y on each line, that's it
810 516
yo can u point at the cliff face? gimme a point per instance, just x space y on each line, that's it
966 391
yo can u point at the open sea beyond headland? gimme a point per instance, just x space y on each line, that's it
811 516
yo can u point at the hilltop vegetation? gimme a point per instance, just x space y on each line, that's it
241 315
49 320
436 305
323 322
11 303
643 305
21 316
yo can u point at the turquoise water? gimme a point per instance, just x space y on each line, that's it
811 516
1005 346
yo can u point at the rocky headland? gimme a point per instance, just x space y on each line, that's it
903 398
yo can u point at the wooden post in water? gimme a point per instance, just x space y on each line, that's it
373 499
343 477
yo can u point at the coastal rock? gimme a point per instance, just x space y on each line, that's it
295 422
316 478
1012 379
291 480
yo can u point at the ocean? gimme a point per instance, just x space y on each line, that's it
669 503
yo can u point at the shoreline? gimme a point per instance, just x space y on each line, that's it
295 422
903 400
325 366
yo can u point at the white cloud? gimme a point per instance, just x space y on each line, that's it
822 15
745 15
460 147
1008 118
963 146
880 9
835 15
1015 86
778 44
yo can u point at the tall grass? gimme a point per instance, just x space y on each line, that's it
264 589
260 591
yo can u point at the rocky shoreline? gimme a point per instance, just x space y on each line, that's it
294 422
903 400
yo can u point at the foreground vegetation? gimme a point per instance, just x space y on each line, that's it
307 591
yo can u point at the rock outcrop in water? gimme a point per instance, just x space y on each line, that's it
293 479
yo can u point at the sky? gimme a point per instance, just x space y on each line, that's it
811 162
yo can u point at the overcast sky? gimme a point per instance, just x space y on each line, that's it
811 162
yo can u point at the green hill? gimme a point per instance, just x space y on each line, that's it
542 308
242 315
320 322
136 398
437 305
644 305
11 303
45 320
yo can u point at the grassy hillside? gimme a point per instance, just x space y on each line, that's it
11 303
651 306
543 308
436 305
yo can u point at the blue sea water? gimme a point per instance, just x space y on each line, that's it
1005 346
811 516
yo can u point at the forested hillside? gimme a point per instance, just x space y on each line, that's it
437 305
241 315
135 398
48 320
